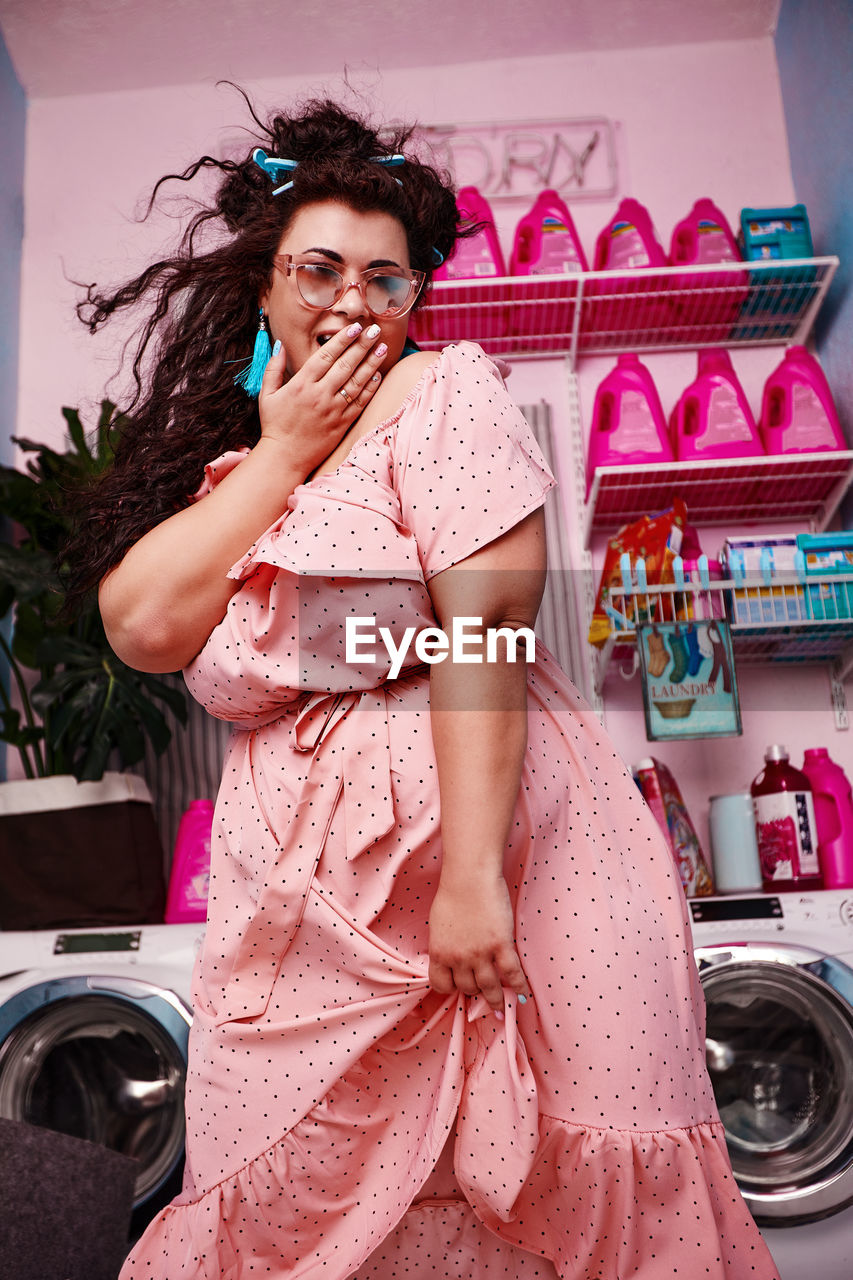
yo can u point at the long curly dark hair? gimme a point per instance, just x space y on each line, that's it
202 312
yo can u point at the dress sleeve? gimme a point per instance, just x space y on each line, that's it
218 470
467 466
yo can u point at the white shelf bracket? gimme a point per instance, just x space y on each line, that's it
838 694
590 689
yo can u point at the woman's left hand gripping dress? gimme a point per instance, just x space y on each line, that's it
324 1074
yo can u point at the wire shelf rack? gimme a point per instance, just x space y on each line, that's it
783 487
782 618
597 312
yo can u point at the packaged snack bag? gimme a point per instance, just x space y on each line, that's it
655 539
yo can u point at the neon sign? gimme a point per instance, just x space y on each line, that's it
577 158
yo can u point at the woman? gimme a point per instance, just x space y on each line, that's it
447 1021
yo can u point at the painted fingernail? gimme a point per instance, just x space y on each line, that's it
377 377
381 349
354 330
522 999
276 347
373 331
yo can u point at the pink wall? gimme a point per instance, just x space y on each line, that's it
692 120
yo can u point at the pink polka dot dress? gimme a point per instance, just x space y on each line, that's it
343 1120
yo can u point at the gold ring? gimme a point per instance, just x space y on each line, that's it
343 392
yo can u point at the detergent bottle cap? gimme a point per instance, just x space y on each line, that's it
776 752
714 360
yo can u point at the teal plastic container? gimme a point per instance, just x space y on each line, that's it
827 555
776 233
771 235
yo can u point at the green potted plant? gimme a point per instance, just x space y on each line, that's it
79 718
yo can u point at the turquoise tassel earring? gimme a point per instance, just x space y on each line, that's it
251 377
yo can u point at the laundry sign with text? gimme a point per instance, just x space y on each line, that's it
688 676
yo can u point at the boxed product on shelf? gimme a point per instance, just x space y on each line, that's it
656 540
776 233
766 584
773 235
828 555
663 797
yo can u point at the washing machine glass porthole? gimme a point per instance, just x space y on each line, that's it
779 1049
100 1068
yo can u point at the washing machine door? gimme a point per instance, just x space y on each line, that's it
100 1058
779 1052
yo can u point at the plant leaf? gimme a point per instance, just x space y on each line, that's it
92 706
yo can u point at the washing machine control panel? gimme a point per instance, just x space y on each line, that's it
823 918
725 910
79 943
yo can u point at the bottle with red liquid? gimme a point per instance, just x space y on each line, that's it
785 825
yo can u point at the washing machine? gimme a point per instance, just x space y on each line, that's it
94 1025
777 972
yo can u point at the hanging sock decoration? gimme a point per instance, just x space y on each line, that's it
720 659
658 655
678 649
695 696
694 653
251 377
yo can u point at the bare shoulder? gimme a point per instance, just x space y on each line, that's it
395 386
406 373
400 380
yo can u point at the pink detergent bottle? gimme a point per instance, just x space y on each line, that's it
785 825
546 242
480 255
798 413
833 803
703 236
712 419
477 258
708 304
628 241
189 880
628 423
